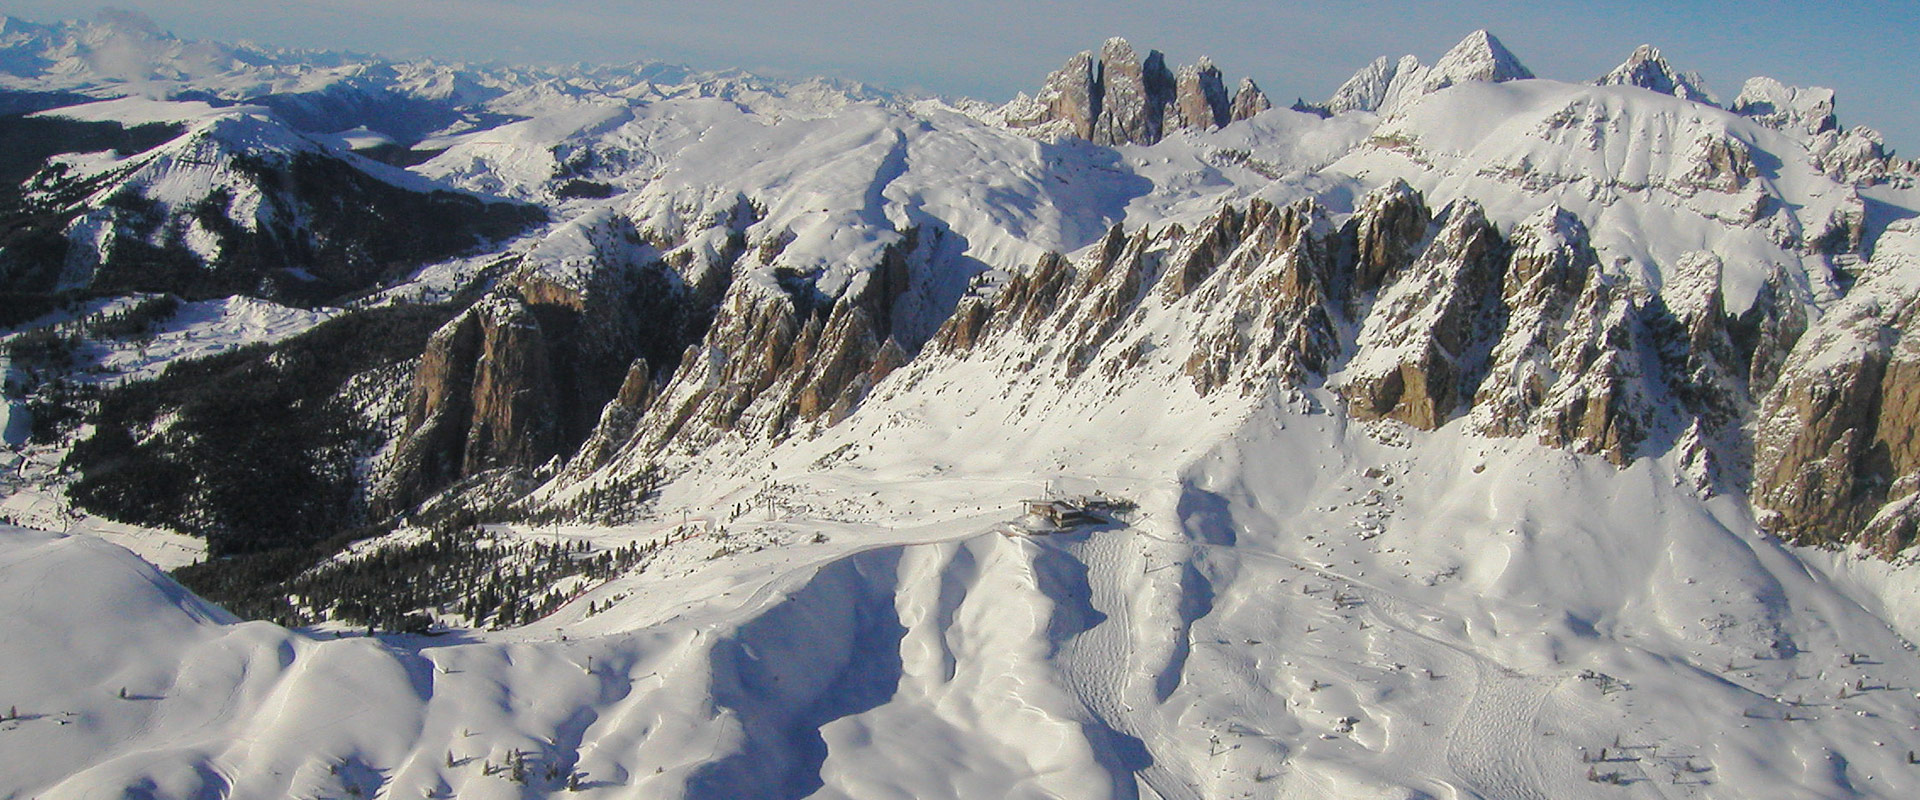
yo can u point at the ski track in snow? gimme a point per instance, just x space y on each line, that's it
1096 663
1491 745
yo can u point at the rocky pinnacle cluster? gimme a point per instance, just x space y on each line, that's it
1118 97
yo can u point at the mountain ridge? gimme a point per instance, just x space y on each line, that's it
1452 439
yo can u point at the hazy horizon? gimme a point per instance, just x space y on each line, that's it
992 50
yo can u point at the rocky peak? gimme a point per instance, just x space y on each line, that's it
1071 95
1857 155
1648 70
1804 110
1134 97
1552 264
1386 229
1421 349
1200 96
482 398
1248 101
1479 57
1385 85
1837 442
1119 97
1367 89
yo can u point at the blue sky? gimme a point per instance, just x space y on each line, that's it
1869 51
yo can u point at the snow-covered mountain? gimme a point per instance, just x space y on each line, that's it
1469 434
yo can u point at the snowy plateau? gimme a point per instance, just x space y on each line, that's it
413 429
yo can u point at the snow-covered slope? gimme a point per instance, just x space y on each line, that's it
1306 607
1437 437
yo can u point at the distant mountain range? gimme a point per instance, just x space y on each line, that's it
1466 433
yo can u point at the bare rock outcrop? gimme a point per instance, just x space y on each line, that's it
1200 97
1273 302
1719 162
1248 101
1071 96
1857 155
779 355
1386 85
1387 230
1119 97
1646 69
1807 111
1837 443
1553 262
1134 95
1422 348
482 398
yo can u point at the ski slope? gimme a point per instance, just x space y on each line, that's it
1303 607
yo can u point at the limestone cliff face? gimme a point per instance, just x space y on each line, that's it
1200 97
1409 318
619 418
1551 268
1248 101
1072 95
1134 95
1259 284
1284 280
559 358
1119 97
1420 350
1387 229
482 398
1837 442
780 357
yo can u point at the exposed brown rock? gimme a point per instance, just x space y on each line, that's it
1721 163
618 418
1552 262
1072 95
1118 97
482 398
514 410
1418 351
1248 101
963 328
1200 96
1600 403
1387 229
1204 249
1813 463
1269 307
1837 442
1134 95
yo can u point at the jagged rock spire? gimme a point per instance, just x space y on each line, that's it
1134 97
1071 95
1119 97
1648 70
1385 85
1200 96
1249 100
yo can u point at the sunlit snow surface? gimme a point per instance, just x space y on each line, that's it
1301 607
